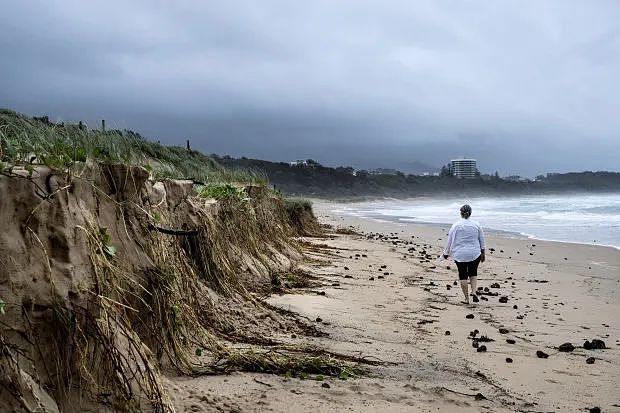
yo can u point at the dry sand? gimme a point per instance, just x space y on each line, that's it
403 319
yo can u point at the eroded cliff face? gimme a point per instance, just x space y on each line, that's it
106 277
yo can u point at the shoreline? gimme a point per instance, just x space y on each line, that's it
327 207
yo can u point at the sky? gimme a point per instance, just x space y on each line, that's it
525 87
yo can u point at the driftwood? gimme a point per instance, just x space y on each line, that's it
177 232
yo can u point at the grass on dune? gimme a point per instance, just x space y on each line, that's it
26 140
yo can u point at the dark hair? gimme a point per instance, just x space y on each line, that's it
465 211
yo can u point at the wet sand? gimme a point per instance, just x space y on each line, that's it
396 303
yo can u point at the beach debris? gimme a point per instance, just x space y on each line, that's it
503 331
510 341
541 354
503 299
590 360
595 344
508 360
481 349
470 316
566 347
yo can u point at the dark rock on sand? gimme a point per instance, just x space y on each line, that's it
595 410
475 344
346 268
348 276
503 331
495 285
590 360
508 360
541 354
503 299
566 347
482 349
319 319
515 306
325 385
454 283
510 341
595 344
447 332
479 396
371 279
448 286
470 316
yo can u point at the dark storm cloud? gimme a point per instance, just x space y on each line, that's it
524 86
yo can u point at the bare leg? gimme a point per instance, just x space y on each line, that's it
474 287
465 292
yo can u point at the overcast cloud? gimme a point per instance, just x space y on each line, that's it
524 86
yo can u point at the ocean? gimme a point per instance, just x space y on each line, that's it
580 218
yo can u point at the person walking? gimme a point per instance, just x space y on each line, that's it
466 246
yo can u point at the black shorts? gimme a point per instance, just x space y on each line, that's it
468 269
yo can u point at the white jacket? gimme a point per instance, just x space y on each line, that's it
465 240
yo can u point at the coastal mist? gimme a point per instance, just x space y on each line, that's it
580 218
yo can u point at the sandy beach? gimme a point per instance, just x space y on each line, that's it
387 298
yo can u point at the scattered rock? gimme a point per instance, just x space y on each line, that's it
510 341
541 354
447 332
495 285
473 333
508 360
470 316
595 410
595 344
325 385
381 277
503 331
481 349
454 283
475 344
319 319
566 347
515 307
590 360
448 287
346 268
371 279
479 396
503 299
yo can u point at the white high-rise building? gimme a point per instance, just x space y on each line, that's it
463 168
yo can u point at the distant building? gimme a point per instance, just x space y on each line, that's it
463 168
384 171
